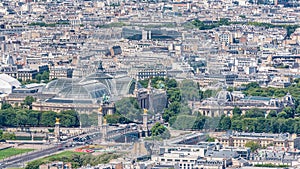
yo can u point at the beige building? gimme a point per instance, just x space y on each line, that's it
26 74
60 72
263 139
225 102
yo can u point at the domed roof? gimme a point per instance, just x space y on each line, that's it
6 79
91 87
97 76
224 95
57 85
84 91
124 85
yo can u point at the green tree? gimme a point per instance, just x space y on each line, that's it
1 133
254 113
252 145
237 111
224 21
28 101
242 16
45 76
9 118
199 122
78 160
210 139
112 119
6 106
34 164
175 107
174 95
69 118
297 80
38 77
283 115
21 118
84 120
225 123
34 118
129 108
117 118
237 125
252 85
272 114
48 119
160 130
208 93
8 136
182 122
144 82
171 83
190 90
289 111
167 115
230 89
297 111
249 124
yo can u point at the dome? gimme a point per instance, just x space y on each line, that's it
8 83
57 85
125 85
10 80
92 87
91 90
97 76
119 85
225 95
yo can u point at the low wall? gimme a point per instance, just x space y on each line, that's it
5 147
63 130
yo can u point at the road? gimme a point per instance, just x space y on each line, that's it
12 162
33 155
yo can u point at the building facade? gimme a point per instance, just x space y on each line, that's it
263 139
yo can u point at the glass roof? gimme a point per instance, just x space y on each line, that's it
85 91
91 87
57 85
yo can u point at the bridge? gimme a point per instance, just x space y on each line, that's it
95 135
124 134
193 138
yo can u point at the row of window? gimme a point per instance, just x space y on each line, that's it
178 160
